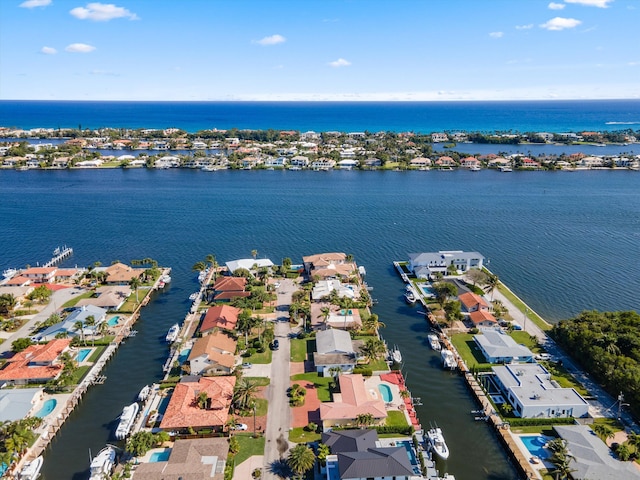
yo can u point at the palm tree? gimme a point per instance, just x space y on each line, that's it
244 394
603 431
323 452
491 283
90 321
202 400
7 302
102 328
135 283
326 313
199 267
245 324
364 419
301 459
373 323
623 451
634 440
79 326
561 458
444 290
373 349
211 259
254 254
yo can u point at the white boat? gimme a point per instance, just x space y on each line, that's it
506 168
434 343
31 470
9 272
102 464
409 297
165 278
144 393
172 334
203 275
448 360
475 168
438 445
395 355
161 284
127 418
193 296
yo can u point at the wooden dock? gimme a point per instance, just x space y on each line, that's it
59 254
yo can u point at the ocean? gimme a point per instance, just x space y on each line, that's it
562 241
505 116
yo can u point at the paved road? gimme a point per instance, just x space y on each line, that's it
279 414
601 404
58 298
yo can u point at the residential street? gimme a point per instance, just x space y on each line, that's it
279 415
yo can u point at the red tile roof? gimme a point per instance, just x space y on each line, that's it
183 411
482 316
470 300
35 362
220 316
355 400
225 284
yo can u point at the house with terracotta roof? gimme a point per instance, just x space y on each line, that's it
213 354
17 281
358 455
228 288
121 274
194 459
40 274
323 260
446 162
223 317
354 399
482 318
420 163
472 302
183 410
470 162
35 364
109 297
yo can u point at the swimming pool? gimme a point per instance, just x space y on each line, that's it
113 321
411 454
427 290
83 354
47 408
184 355
160 456
385 391
535 444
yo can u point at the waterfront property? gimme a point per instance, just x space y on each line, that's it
358 455
17 403
69 326
334 350
498 347
213 354
228 288
35 364
109 297
223 317
121 274
532 393
472 302
424 265
250 264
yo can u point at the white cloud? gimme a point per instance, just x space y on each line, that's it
341 62
524 27
48 50
80 48
496 34
591 3
35 3
556 6
559 23
271 40
102 12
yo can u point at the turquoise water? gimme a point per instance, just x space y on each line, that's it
427 290
411 454
164 403
47 408
112 322
160 456
385 391
535 444
184 354
83 354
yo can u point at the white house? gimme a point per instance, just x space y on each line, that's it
334 349
325 287
532 394
425 264
498 347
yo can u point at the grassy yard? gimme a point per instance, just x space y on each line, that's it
259 358
469 351
300 435
261 381
321 383
396 419
301 347
525 339
75 300
564 378
249 447
79 373
261 409
95 355
378 365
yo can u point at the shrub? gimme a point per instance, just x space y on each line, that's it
311 427
364 371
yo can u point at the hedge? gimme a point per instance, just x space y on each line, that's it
529 422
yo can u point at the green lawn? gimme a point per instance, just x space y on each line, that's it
469 351
564 378
300 347
321 383
261 409
75 300
79 373
95 355
522 307
249 447
377 366
300 435
525 339
262 381
260 358
396 419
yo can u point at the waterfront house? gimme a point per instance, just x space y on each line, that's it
250 264
354 399
213 354
482 318
446 163
348 164
372 163
530 164
324 288
35 364
439 137
323 164
592 457
224 317
470 162
40 274
121 274
68 326
299 161
420 163
18 403
343 318
472 302
357 455
228 288
193 459
532 393
109 297
498 347
323 260
183 411
423 265
334 350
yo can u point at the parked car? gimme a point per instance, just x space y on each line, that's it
275 345
543 356
240 426
247 365
515 326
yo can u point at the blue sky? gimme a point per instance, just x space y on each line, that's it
319 50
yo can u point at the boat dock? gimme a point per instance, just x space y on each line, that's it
59 254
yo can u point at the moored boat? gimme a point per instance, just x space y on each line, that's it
437 443
165 278
144 393
102 464
127 418
193 296
434 343
448 360
409 295
395 355
172 334
31 470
